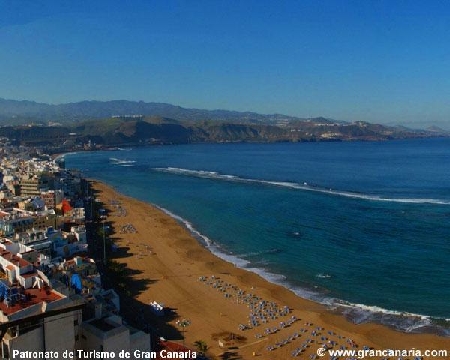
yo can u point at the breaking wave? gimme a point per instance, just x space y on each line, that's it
121 162
297 186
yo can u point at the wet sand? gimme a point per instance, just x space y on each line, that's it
168 265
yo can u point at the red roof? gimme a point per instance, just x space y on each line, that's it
65 207
22 262
35 296
5 253
171 347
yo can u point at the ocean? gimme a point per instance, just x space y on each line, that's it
363 227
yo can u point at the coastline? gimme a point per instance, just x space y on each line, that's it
167 254
357 313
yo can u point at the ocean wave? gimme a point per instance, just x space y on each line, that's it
379 310
297 186
197 173
323 276
121 162
357 313
261 252
360 313
400 320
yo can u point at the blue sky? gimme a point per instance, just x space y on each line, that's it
377 61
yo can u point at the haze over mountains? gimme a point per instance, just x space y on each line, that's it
13 112
131 123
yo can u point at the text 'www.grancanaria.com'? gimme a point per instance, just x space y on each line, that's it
382 354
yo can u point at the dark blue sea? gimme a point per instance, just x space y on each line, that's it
361 226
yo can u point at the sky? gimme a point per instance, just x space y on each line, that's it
379 61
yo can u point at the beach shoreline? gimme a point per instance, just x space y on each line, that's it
400 320
197 285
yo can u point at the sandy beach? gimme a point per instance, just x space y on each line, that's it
225 305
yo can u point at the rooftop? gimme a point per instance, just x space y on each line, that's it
14 258
31 297
102 325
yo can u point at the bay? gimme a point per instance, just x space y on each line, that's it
359 225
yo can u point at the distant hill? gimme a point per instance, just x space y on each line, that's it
124 131
14 112
438 131
97 124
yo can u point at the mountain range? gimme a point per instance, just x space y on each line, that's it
14 112
121 122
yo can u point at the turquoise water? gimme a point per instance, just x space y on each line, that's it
363 226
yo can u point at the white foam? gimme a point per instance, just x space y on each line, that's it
401 320
188 225
69 154
292 185
271 277
323 276
380 310
121 161
235 260
262 252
